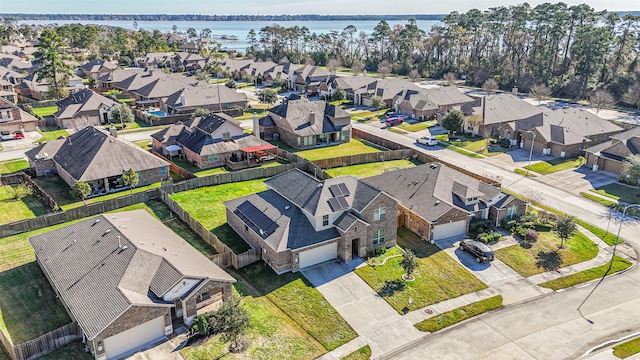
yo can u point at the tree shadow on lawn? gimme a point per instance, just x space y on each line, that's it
408 240
391 287
549 260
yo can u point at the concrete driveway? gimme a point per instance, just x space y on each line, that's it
165 349
496 274
579 180
377 323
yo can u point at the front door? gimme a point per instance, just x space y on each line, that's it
355 248
105 118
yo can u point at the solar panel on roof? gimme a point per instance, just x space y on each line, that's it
265 225
335 190
335 205
343 202
344 189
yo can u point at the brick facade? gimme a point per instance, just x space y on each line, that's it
212 287
497 214
134 316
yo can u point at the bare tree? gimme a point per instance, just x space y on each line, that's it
601 99
414 75
474 121
333 65
490 86
540 92
533 197
357 67
384 69
449 78
632 95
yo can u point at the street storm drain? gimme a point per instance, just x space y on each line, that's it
428 311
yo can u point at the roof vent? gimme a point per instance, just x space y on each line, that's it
287 207
107 231
437 202
319 185
97 221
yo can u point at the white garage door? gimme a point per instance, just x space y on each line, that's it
134 337
318 255
451 229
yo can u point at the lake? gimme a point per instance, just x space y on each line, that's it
239 29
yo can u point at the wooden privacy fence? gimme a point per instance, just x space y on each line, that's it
225 257
6 343
420 156
365 158
77 213
185 174
23 178
47 342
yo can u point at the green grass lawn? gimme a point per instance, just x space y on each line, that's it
449 318
45 111
371 169
364 353
205 205
248 114
417 126
619 264
273 336
555 165
544 255
71 351
13 210
28 305
12 166
146 145
627 349
397 130
314 314
59 191
472 144
628 194
51 134
437 278
353 147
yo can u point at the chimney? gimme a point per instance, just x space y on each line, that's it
312 117
183 100
113 131
256 126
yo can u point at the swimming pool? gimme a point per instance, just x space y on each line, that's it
158 113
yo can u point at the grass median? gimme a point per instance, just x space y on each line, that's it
619 264
462 313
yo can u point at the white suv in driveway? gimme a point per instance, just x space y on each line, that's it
427 140
6 135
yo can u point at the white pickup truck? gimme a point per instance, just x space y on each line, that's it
427 140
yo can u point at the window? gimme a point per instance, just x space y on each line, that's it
212 158
378 214
512 212
139 176
307 140
163 171
378 237
202 297
325 220
226 135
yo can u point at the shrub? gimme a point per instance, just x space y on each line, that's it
531 235
508 224
479 226
377 252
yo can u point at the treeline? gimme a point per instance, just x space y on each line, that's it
197 17
572 50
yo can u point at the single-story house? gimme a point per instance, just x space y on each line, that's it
211 141
155 60
386 89
186 61
126 278
300 221
13 118
437 202
305 124
95 156
32 87
96 67
84 108
212 97
308 78
610 155
109 80
428 102
561 132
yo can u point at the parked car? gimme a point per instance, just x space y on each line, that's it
6 135
19 135
394 121
427 140
478 249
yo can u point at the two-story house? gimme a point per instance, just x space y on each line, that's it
304 124
300 221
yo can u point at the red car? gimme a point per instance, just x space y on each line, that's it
19 135
394 121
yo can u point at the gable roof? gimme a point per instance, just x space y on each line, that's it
82 101
502 108
431 190
96 65
205 95
446 95
91 154
294 117
620 145
99 279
